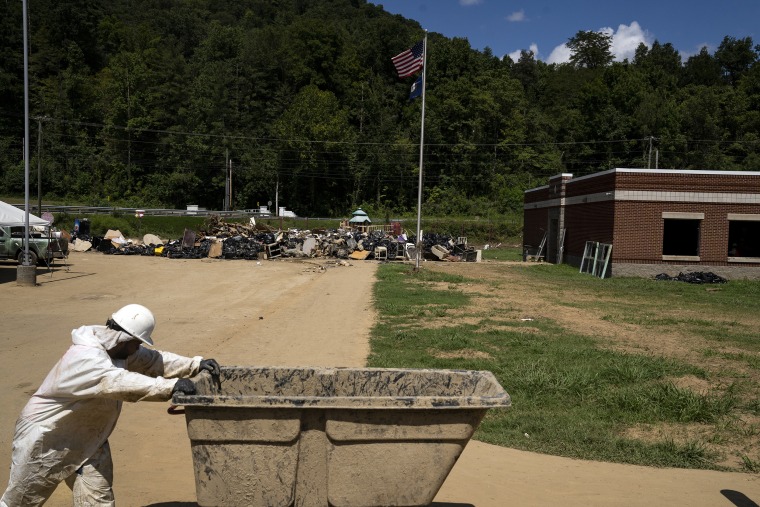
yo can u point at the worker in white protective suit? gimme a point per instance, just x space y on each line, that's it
62 433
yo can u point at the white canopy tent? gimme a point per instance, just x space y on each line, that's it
11 216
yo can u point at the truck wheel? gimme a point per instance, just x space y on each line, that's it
32 258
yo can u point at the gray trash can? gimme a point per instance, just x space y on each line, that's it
332 436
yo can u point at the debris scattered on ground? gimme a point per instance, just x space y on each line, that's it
223 240
694 277
152 239
80 245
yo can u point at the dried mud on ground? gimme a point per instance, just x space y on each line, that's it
287 313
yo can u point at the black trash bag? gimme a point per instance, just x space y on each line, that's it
129 250
240 247
174 250
701 277
105 246
694 277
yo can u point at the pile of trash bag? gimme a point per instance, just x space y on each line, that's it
694 277
219 239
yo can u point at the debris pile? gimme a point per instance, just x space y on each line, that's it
175 250
694 277
224 240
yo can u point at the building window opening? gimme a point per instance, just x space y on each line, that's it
680 237
743 238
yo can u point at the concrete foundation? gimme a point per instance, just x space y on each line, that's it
734 272
26 276
651 270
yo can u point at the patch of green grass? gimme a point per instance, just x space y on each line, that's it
718 330
167 228
753 406
403 293
570 397
751 360
733 299
570 433
750 465
666 402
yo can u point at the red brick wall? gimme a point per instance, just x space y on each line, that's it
639 226
535 220
535 223
635 228
688 182
586 186
588 222
536 195
637 233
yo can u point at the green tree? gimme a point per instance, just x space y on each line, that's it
661 64
316 153
529 72
590 49
701 69
702 127
735 57
141 101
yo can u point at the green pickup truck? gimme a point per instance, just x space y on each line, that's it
43 248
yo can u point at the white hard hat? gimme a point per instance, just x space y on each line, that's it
136 320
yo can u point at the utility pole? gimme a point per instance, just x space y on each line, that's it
649 161
39 165
26 138
226 204
26 272
230 185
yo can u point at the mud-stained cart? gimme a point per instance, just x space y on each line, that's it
332 437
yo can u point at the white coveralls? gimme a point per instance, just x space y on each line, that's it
62 433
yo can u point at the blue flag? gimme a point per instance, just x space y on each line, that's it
416 89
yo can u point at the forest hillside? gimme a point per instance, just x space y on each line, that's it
150 103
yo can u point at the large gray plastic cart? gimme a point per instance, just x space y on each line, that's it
332 436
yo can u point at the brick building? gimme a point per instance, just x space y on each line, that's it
657 220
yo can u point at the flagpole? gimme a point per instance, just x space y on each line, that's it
422 148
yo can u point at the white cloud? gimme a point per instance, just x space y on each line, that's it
517 16
560 54
515 55
627 39
467 3
624 43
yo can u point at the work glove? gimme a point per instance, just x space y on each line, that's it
211 366
184 386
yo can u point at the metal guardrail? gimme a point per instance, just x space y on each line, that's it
244 213
108 210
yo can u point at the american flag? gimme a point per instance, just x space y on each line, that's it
410 61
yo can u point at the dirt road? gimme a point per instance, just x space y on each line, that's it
277 313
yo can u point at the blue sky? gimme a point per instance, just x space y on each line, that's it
544 26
